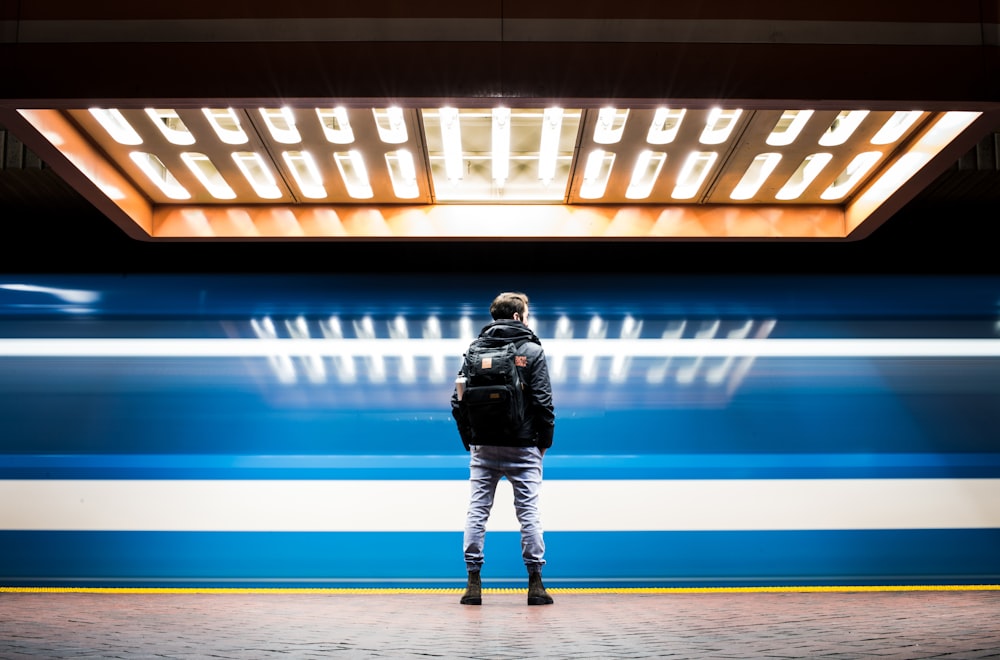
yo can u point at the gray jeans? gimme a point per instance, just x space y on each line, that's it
522 466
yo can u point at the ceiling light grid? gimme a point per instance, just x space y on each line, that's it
832 170
274 155
501 154
648 170
728 156
206 147
341 155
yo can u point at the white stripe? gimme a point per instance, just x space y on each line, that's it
744 31
449 348
411 506
223 30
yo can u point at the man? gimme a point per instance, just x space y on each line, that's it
516 455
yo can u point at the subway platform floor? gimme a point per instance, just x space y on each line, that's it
833 624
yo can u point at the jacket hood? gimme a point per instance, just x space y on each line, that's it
509 329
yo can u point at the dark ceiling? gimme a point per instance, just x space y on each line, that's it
55 51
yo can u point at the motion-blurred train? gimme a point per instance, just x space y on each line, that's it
296 431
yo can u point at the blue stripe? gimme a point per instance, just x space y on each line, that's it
575 559
223 296
455 466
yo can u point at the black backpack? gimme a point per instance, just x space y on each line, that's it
494 394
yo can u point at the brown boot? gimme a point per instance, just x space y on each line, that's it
537 595
473 591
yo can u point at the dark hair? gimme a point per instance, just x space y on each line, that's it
507 304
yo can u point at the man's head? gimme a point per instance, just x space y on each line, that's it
510 305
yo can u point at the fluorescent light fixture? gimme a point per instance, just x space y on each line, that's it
391 124
117 126
802 178
451 139
948 127
693 174
226 125
501 145
666 122
158 173
257 174
171 125
280 123
548 149
945 129
596 173
760 168
842 127
788 127
354 173
535 154
610 125
402 173
719 125
852 175
306 174
205 171
896 126
897 174
336 126
647 169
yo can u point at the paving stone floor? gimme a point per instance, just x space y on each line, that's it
431 624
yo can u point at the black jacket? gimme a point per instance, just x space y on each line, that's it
539 423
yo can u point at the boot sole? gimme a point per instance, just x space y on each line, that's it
471 601
539 601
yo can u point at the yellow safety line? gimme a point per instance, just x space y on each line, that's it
457 590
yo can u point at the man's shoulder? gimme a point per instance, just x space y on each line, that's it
532 344
532 352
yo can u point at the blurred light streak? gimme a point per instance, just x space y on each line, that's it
465 330
717 373
313 364
597 331
432 330
557 363
743 367
342 360
280 362
399 332
74 296
365 331
631 329
659 373
686 374
368 347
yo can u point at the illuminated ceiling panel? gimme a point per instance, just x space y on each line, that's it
500 154
279 155
342 169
